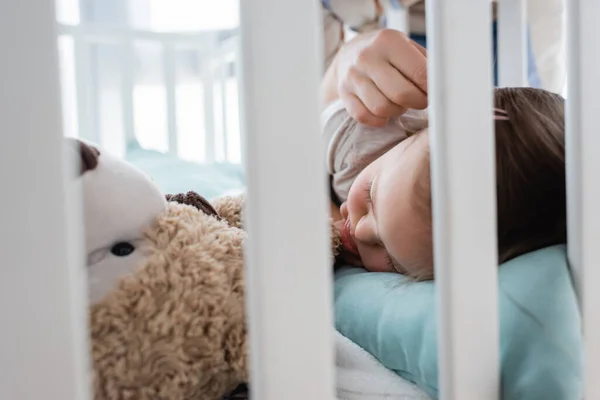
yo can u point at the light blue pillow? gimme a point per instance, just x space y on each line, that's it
540 335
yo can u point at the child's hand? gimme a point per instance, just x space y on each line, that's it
380 75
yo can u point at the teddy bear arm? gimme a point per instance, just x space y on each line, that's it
230 209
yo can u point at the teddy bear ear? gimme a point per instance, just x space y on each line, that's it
195 200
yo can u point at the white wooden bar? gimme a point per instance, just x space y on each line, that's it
289 271
512 43
240 90
43 351
222 66
583 166
170 76
127 88
102 34
464 198
397 17
208 88
83 86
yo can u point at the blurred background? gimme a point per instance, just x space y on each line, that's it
156 82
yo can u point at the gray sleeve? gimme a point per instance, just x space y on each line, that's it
352 146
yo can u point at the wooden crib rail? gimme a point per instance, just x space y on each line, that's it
583 166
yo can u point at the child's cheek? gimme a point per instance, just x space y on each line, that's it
373 258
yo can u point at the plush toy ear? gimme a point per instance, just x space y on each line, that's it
86 154
195 200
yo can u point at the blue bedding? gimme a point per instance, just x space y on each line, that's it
174 175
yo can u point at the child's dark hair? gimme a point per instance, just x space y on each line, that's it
530 172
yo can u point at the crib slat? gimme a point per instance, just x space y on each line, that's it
583 164
289 271
464 200
512 43
87 129
170 71
237 45
208 86
397 16
43 351
127 88
222 73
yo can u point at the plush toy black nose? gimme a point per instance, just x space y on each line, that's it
88 155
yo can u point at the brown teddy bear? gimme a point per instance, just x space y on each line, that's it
167 315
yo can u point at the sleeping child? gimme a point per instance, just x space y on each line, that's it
380 178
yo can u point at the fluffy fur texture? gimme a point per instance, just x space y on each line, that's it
175 329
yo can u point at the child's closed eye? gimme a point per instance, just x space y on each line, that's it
394 266
390 262
368 191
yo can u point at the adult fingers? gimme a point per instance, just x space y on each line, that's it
410 61
359 111
373 99
421 49
397 88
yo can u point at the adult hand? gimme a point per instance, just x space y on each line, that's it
381 74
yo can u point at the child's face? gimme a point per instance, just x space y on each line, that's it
388 232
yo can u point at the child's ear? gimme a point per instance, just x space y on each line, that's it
195 200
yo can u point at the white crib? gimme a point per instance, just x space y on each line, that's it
88 112
42 300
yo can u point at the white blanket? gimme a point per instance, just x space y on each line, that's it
361 377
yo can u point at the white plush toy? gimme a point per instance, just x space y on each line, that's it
165 283
119 202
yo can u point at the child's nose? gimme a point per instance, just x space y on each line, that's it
364 231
